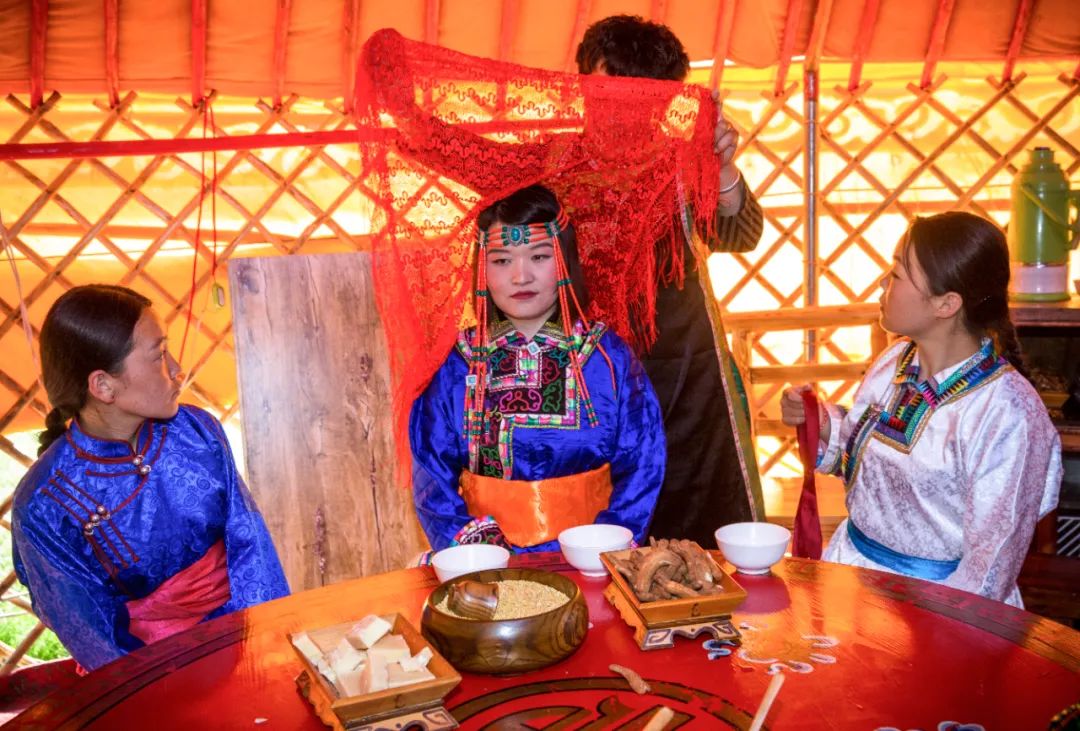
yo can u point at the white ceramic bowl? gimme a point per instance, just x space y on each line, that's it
753 547
457 560
583 544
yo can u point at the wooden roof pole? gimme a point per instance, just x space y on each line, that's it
432 14
862 42
349 51
1023 17
787 48
112 50
725 23
936 47
658 11
507 27
116 148
39 19
281 43
581 20
198 51
817 34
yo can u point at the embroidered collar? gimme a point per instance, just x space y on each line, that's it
108 451
954 379
505 335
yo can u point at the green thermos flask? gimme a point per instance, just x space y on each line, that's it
1040 234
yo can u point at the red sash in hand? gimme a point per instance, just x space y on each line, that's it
806 542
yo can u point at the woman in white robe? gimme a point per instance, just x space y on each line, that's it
948 455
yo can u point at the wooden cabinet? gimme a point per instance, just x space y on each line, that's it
1050 335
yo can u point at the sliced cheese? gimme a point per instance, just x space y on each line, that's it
302 642
349 683
396 676
345 658
419 661
390 649
373 676
364 634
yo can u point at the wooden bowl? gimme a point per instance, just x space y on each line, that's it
508 646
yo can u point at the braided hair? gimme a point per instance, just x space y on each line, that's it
88 328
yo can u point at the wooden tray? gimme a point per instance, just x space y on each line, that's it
419 704
666 612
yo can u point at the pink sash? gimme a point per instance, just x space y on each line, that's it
182 600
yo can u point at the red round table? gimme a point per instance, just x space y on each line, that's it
861 650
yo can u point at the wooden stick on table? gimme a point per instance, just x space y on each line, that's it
767 701
659 719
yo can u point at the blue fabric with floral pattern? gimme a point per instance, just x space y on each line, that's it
97 523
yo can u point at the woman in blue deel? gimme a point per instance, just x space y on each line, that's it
134 523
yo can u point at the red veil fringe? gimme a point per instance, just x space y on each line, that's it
625 156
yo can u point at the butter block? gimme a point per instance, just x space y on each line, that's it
419 661
349 682
364 634
373 676
302 642
396 676
345 658
390 649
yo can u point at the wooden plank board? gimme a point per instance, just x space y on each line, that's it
1046 314
808 372
315 403
799 318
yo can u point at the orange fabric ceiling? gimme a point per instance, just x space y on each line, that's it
153 41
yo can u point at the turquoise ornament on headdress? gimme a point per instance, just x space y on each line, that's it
523 235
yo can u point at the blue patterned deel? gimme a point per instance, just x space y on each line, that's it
97 523
535 428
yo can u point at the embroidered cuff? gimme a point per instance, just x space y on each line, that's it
481 530
829 456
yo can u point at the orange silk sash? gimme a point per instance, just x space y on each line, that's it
532 512
182 600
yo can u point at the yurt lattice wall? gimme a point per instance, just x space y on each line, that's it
890 148
894 144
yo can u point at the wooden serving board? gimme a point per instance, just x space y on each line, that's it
668 612
419 704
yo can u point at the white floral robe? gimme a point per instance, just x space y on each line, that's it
958 469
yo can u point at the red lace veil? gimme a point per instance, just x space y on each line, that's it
626 157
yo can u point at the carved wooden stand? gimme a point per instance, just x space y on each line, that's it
424 717
662 635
